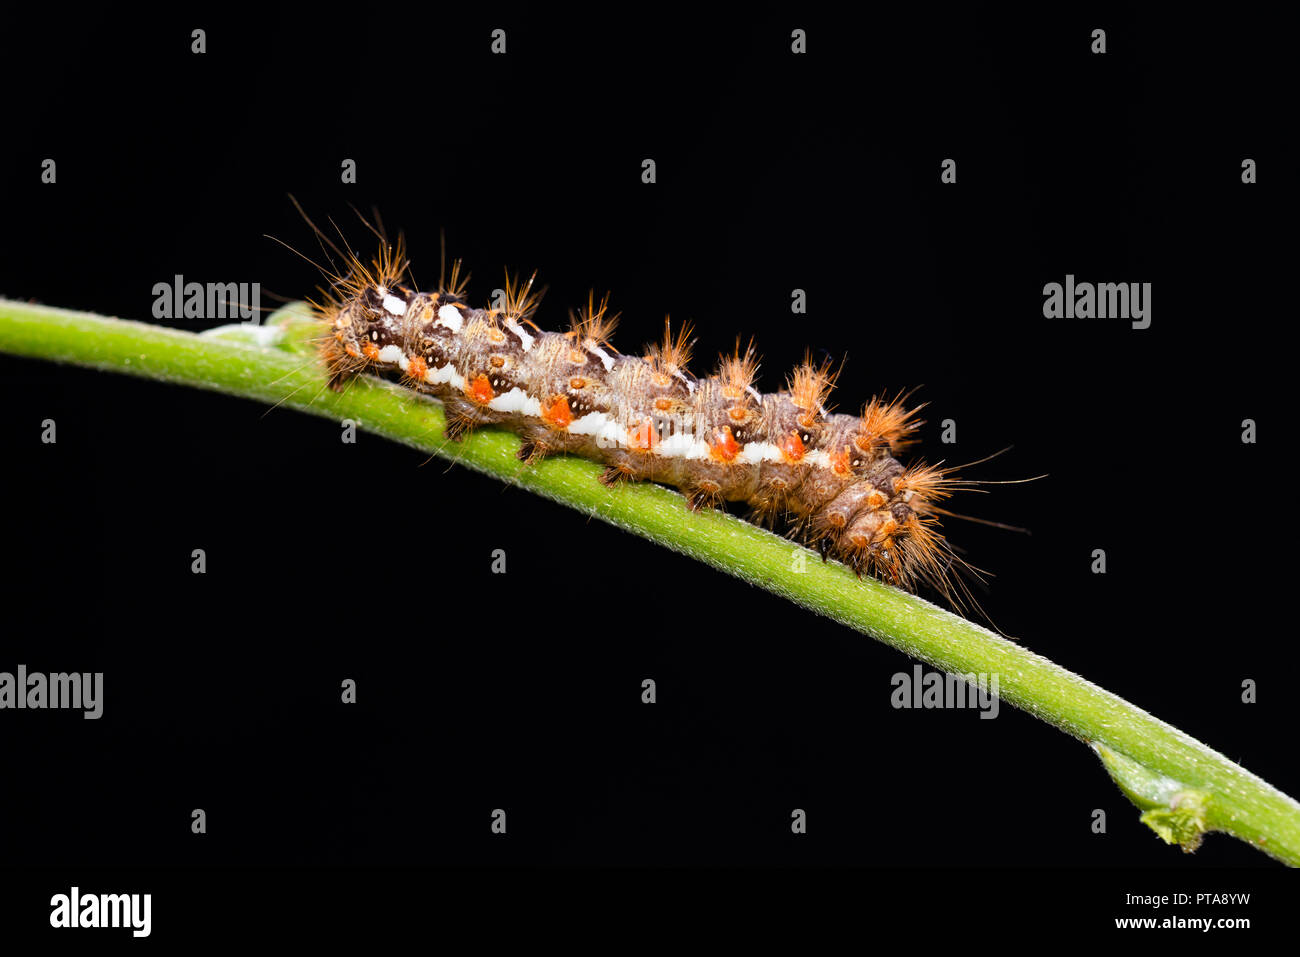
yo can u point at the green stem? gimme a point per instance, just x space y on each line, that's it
1185 788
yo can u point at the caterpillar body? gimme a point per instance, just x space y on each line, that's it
833 478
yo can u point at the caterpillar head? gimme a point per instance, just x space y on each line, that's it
371 320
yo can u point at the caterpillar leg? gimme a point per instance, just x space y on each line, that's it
617 475
770 503
704 496
342 366
826 526
863 527
532 450
463 417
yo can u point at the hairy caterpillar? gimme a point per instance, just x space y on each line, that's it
834 478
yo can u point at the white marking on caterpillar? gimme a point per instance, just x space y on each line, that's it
450 317
394 305
394 355
682 445
756 452
517 400
525 339
590 424
613 435
605 358
447 373
818 458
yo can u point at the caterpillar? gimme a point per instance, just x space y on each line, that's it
834 480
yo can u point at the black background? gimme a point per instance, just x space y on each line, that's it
775 171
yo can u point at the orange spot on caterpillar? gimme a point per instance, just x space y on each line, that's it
352 351
557 415
577 357
876 499
497 361
663 405
738 413
480 390
792 448
417 368
577 382
370 351
642 438
840 462
724 446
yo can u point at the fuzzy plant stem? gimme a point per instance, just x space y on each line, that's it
1184 788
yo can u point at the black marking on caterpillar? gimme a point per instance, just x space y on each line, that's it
833 478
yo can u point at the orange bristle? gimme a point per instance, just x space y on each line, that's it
594 324
413 375
927 558
458 284
927 482
673 354
810 385
738 372
386 269
889 423
521 300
